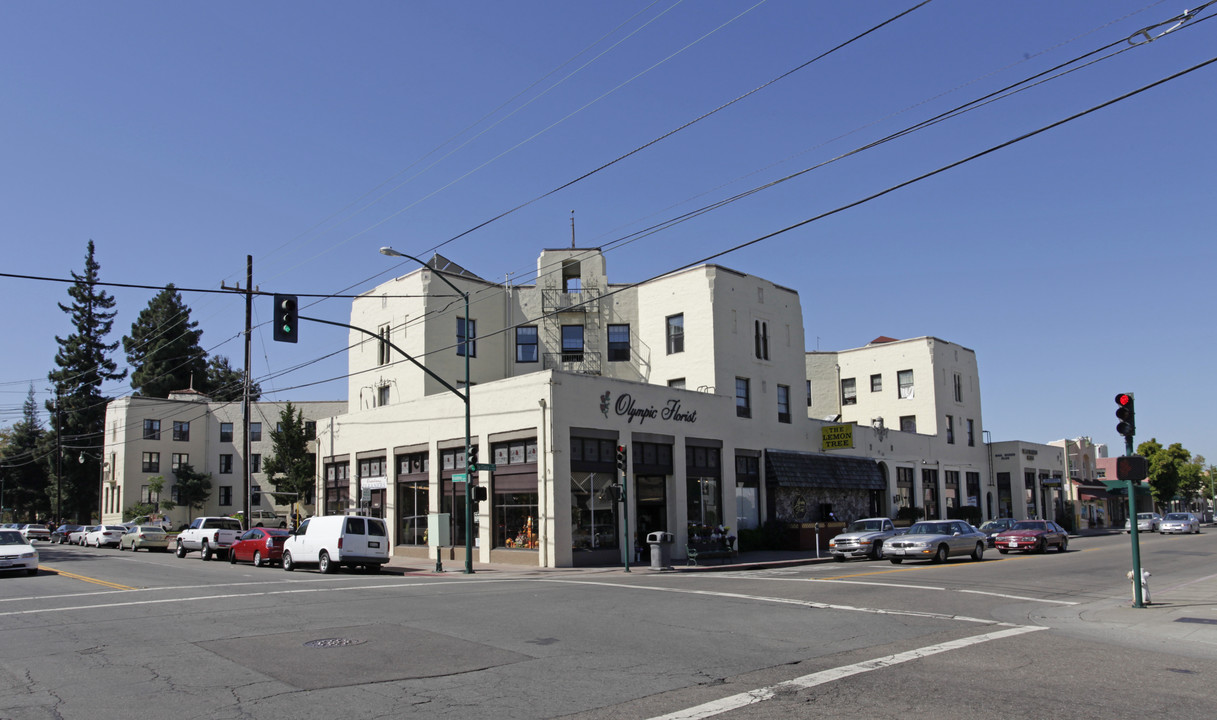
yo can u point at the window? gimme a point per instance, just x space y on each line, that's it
808 393
950 430
152 429
876 383
676 334
255 462
382 354
225 495
181 431
464 339
255 495
678 383
225 432
226 464
618 343
151 462
310 429
572 343
382 396
908 423
958 388
971 433
761 339
255 432
904 379
849 391
572 283
372 467
177 460
784 403
526 344
743 399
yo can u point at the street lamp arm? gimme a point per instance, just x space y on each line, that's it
464 398
390 252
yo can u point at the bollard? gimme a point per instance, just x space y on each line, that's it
1144 586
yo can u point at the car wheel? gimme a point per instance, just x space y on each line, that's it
232 557
1064 546
205 551
943 553
181 551
257 558
979 553
877 552
324 565
1041 547
896 561
288 565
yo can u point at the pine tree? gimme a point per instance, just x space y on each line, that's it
163 347
83 363
291 467
25 489
224 384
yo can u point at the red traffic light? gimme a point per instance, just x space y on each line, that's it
1123 399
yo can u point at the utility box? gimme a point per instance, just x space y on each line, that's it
439 533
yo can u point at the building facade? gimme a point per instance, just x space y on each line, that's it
151 437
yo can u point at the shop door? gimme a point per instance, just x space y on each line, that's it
652 510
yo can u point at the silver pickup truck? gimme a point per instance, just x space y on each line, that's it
863 538
208 535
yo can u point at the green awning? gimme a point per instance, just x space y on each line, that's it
793 468
1120 487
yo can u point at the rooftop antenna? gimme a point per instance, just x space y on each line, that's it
572 229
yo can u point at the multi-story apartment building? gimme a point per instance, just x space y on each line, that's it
700 374
149 437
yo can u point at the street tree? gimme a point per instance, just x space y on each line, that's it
291 468
1165 469
82 363
224 383
163 347
193 488
25 472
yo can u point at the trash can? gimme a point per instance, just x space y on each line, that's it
661 549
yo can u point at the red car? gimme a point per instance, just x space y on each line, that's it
1032 536
261 546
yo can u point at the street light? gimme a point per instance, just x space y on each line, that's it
390 252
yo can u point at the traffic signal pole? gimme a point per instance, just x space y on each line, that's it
1126 413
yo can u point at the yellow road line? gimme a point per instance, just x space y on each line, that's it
85 578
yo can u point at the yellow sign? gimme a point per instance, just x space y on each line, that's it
835 437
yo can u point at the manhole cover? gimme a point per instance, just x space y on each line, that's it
333 643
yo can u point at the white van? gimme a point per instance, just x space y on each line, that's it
331 541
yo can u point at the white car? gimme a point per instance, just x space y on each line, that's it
77 537
105 535
33 532
1146 522
16 553
1179 522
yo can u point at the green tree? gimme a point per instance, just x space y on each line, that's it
291 468
25 473
83 363
224 384
193 487
1166 469
163 347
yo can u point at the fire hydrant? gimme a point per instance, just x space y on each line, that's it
1144 586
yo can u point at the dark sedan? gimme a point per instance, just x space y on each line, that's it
261 546
63 531
994 526
1032 536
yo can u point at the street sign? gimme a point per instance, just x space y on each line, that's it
460 477
485 467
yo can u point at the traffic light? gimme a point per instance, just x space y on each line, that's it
1127 415
479 493
1132 467
472 461
287 319
613 492
621 458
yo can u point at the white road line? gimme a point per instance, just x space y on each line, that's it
931 588
734 702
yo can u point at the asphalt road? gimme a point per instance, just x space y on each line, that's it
104 634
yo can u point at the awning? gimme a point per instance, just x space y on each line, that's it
1120 487
791 468
1092 490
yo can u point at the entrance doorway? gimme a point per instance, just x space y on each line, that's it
651 507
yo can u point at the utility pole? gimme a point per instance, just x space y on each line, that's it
245 442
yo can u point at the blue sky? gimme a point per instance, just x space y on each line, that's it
181 137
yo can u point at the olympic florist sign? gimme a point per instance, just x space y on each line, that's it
625 406
836 437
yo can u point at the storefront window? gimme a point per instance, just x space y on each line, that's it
412 499
593 512
515 520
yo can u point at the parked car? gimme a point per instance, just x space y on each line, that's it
1146 522
16 553
104 535
159 521
262 518
936 540
1179 522
261 546
144 537
34 531
330 541
863 538
1032 536
994 526
63 531
77 537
